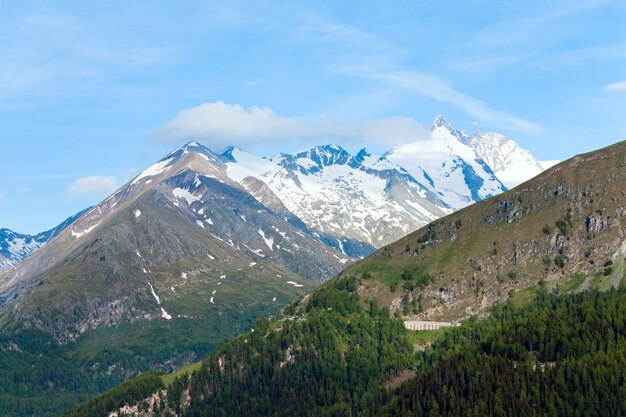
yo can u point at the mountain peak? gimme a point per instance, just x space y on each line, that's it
320 156
191 146
197 147
228 153
362 154
441 121
330 148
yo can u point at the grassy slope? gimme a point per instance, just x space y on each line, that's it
202 324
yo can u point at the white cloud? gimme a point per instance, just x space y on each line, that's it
1 194
93 186
618 86
219 124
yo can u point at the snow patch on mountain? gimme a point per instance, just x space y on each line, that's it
154 294
165 314
154 170
269 241
85 231
183 193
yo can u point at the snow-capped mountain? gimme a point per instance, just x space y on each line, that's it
452 169
180 240
15 247
354 203
510 163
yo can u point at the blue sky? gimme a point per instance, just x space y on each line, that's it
92 92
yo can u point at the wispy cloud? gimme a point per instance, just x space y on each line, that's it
320 29
374 58
343 44
542 26
440 90
93 186
541 35
618 86
51 50
220 124
1 195
488 63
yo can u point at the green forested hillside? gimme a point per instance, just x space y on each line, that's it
141 386
559 355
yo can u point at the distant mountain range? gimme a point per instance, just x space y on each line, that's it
358 203
282 222
15 247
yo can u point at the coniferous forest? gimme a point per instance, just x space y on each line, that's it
560 355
